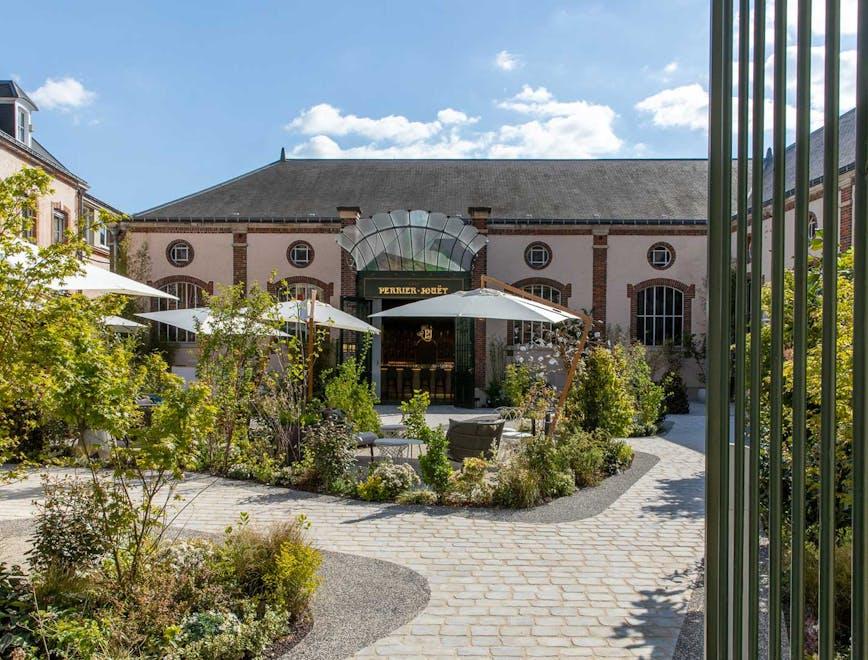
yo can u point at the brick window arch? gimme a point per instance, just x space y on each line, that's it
661 311
527 332
191 292
813 225
291 288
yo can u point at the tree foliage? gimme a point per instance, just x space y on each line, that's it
600 397
27 299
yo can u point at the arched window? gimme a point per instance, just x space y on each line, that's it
659 315
189 295
299 291
813 226
530 332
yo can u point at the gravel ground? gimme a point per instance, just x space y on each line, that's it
360 601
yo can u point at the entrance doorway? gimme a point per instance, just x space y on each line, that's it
417 354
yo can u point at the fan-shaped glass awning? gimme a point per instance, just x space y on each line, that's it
412 241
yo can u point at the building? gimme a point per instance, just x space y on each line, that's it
622 239
69 206
815 219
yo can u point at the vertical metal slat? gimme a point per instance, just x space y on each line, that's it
800 330
719 236
756 321
743 115
828 424
777 330
860 346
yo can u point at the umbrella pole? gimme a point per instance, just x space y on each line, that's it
311 330
487 280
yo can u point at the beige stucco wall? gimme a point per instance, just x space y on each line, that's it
267 258
572 262
212 260
815 205
61 193
628 264
64 195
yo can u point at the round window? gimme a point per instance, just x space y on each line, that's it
538 255
661 256
179 253
300 254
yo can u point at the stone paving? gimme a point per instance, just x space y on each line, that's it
615 585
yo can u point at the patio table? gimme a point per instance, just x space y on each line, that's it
393 430
397 447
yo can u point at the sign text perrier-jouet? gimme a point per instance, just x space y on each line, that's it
377 287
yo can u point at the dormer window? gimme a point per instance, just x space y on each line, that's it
23 129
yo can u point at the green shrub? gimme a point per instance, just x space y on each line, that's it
593 456
541 456
292 578
647 395
471 486
675 400
619 456
434 463
67 533
386 480
517 487
347 390
588 467
276 568
517 381
16 607
422 496
329 450
413 413
537 473
601 399
234 639
70 635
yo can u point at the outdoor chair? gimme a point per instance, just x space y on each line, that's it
475 438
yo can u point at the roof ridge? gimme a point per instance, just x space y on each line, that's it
216 186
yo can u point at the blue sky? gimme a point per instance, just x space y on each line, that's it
153 100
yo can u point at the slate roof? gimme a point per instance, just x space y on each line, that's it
595 191
9 89
42 154
846 156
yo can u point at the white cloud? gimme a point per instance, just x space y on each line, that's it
670 68
506 61
63 94
329 120
450 116
555 129
679 107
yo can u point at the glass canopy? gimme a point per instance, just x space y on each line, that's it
411 241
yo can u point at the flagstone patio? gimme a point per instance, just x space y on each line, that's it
616 584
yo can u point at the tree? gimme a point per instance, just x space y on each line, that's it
243 333
26 275
600 398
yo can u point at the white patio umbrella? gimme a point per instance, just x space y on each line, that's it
294 311
120 324
480 304
95 281
91 280
324 314
197 319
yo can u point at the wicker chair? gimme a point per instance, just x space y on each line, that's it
473 438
